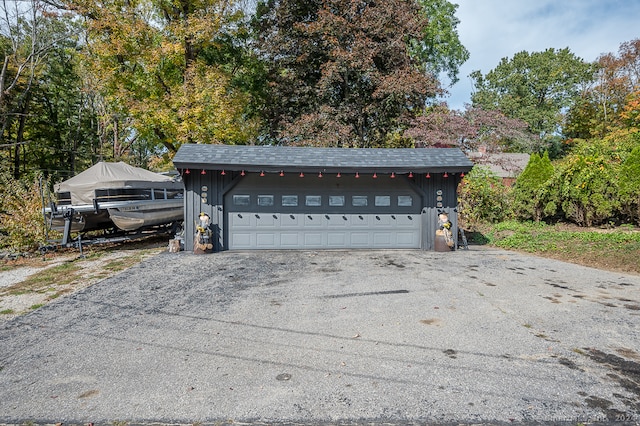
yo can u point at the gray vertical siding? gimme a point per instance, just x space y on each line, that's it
195 204
212 205
431 210
217 186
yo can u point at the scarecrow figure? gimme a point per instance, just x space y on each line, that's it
445 225
203 234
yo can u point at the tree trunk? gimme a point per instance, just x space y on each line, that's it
20 137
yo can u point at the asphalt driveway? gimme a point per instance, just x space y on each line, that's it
331 337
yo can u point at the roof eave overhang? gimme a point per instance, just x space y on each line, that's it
324 169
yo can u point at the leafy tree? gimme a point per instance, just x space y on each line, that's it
439 126
28 35
469 129
630 114
62 124
292 59
535 87
46 120
525 191
21 222
440 50
603 106
482 197
581 120
342 73
155 62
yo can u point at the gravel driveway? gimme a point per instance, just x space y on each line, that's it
477 335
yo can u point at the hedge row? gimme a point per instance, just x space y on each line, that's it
597 183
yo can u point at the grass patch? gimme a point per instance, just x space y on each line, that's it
41 281
611 249
121 264
58 275
7 312
36 306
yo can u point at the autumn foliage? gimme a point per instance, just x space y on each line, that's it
341 73
21 222
596 184
85 80
154 63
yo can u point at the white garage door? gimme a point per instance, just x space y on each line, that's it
248 230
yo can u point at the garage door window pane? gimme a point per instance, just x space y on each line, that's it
405 201
383 200
336 200
359 200
265 200
241 200
313 200
289 200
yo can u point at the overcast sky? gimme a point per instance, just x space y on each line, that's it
495 29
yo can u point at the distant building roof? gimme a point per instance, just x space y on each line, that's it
287 158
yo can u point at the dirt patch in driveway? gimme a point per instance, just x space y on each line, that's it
28 283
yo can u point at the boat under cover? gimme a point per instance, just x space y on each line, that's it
115 194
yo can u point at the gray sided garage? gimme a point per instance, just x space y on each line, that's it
277 197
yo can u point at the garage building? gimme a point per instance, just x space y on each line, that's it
281 197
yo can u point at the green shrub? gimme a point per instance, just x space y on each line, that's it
586 190
629 184
482 197
526 203
21 221
585 186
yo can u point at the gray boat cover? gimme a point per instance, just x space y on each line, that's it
105 175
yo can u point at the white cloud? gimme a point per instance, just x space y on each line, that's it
495 29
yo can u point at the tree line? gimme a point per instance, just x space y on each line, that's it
86 80
586 169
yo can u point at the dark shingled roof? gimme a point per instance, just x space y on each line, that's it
288 158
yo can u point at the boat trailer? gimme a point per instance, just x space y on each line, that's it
110 235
